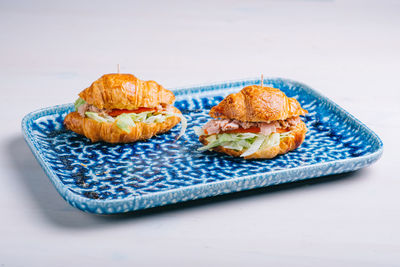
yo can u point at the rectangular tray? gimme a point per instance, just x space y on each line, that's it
105 178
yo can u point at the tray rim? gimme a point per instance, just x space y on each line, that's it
68 194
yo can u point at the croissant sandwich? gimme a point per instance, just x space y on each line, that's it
120 108
257 122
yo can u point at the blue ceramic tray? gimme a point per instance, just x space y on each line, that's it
105 178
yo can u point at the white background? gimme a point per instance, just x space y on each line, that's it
347 50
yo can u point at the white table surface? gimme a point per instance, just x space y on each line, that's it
347 50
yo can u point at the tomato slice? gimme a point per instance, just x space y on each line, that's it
242 130
117 112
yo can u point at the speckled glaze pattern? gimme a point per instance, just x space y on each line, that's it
105 178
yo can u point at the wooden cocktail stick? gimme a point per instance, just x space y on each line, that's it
262 80
118 68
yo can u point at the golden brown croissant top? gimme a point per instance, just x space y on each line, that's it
257 104
125 91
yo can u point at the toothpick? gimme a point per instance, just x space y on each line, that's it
118 68
262 80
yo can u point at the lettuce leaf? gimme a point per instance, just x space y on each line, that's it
183 122
95 116
255 146
139 117
249 142
234 141
79 102
125 122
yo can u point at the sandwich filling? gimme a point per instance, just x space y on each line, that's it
248 137
126 119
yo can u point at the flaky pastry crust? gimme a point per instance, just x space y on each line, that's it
125 91
257 104
111 133
287 144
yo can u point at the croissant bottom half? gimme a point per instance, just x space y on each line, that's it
111 133
287 144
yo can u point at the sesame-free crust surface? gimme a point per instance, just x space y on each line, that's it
257 104
125 91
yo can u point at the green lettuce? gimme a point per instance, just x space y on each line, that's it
95 116
79 102
183 122
237 141
125 122
249 142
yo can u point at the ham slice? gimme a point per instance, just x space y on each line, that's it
87 107
266 128
212 127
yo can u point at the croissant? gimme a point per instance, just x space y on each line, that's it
120 108
125 91
255 113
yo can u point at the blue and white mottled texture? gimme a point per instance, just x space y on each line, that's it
105 178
